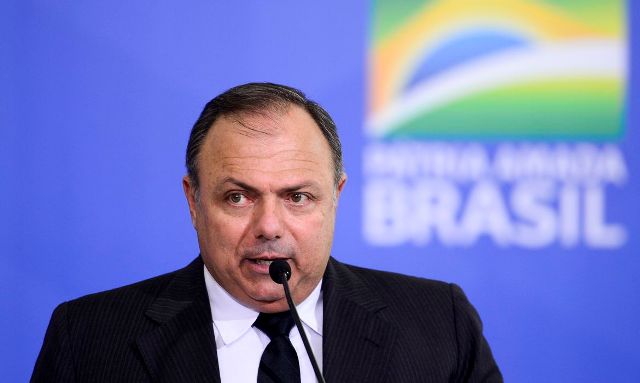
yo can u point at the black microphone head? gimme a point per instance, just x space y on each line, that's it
277 268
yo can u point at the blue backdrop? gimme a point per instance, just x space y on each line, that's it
98 99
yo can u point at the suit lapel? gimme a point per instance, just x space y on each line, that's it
182 347
357 342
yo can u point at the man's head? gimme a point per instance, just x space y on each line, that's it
258 98
264 176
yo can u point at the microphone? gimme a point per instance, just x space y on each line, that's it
277 268
280 272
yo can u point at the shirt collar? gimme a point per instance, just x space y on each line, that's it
233 320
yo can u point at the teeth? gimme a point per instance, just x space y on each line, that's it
263 262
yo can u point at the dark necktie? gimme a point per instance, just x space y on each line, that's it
279 363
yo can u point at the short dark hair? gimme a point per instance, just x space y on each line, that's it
256 98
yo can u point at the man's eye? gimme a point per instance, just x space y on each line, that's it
237 198
299 198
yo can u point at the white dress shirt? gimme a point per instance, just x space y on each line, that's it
240 345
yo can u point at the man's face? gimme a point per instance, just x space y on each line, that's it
266 192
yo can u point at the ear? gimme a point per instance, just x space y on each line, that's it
190 194
343 181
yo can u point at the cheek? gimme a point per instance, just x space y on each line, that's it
313 236
220 235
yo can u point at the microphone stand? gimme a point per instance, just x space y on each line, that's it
283 271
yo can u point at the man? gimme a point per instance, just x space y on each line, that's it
264 179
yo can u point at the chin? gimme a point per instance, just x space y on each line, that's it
272 306
270 297
269 294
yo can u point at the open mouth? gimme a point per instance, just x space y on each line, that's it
261 261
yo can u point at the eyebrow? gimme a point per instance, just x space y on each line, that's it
239 183
256 191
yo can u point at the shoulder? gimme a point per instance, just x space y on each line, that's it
427 302
434 320
136 294
394 285
98 330
125 304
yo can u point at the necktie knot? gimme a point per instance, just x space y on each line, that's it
278 324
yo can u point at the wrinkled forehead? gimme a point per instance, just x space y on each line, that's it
275 121
267 149
269 132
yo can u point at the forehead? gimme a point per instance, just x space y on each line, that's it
286 142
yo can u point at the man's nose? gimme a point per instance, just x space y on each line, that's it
268 219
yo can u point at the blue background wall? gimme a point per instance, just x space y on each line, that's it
98 99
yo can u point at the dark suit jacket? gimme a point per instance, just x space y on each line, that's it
378 327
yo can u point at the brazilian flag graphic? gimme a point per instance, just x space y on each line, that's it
497 70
